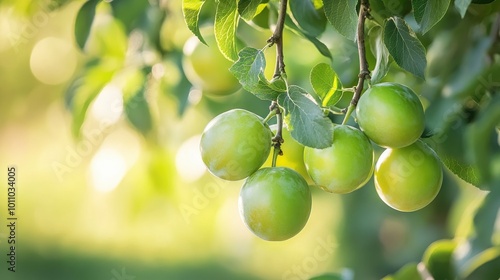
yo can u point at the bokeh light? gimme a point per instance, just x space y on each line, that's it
53 61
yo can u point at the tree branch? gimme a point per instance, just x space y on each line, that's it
364 72
277 38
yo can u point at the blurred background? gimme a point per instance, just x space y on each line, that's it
109 188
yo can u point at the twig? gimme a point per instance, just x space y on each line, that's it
277 38
364 72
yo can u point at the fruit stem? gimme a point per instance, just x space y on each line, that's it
269 116
350 109
364 72
277 38
278 137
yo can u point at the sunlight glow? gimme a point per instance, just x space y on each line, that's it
107 169
108 105
188 160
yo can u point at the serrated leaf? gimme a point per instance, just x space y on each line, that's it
428 13
191 10
248 8
309 19
129 12
462 6
249 70
322 48
226 21
381 54
83 23
342 15
326 84
404 46
85 88
307 123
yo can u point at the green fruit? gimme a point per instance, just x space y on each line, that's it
345 166
408 179
293 154
207 68
391 115
275 203
235 144
438 259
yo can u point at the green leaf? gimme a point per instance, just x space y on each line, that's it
428 13
342 15
83 22
326 84
328 276
85 88
322 48
462 6
191 10
108 39
407 272
129 12
478 136
479 249
381 54
226 21
438 259
305 120
261 19
248 8
136 105
309 19
249 70
449 142
182 88
404 46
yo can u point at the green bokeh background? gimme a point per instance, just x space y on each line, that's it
115 204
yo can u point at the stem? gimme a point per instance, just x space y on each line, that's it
271 114
277 38
279 72
278 138
364 72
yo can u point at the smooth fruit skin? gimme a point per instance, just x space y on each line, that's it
345 166
391 115
409 178
235 144
275 203
207 68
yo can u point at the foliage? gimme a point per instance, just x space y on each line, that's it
451 49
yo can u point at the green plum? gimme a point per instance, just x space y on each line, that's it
391 115
235 144
408 179
345 166
207 68
275 203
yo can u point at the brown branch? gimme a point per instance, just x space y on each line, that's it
277 38
364 72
